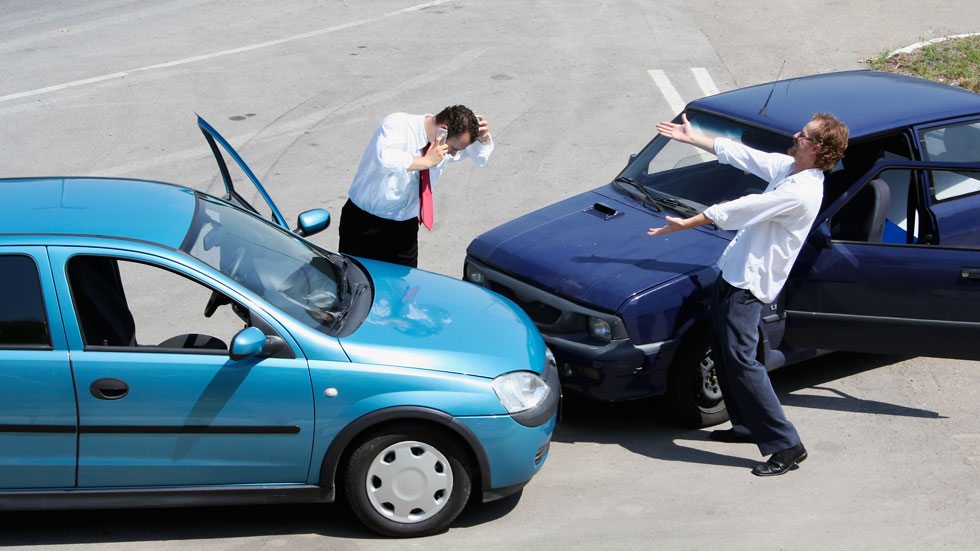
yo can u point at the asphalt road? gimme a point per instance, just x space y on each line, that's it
570 88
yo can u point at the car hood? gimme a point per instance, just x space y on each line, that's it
593 248
425 320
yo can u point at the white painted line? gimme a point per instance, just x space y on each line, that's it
704 81
917 45
668 90
232 51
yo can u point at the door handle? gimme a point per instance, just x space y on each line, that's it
970 273
108 388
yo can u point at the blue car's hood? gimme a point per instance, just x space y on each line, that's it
430 321
593 248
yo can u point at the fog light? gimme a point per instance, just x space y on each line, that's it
566 370
600 329
474 276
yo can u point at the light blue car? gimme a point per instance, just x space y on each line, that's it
163 347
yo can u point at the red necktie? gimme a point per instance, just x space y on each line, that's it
425 196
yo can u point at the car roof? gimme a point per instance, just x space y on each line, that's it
130 209
868 102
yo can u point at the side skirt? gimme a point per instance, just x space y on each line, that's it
194 496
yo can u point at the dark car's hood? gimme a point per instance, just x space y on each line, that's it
594 248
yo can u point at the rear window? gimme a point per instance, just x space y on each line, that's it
23 322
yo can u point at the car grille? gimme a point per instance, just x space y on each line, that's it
542 452
538 311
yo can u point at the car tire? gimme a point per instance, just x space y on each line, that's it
407 482
693 395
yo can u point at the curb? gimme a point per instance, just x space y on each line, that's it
909 49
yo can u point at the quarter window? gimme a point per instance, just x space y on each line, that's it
23 322
958 143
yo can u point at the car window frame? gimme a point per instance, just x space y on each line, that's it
44 306
258 318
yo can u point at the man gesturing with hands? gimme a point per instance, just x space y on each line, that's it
772 227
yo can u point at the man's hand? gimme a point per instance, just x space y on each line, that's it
437 151
484 135
680 224
674 225
680 132
685 133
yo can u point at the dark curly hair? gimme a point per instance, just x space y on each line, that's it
460 120
832 137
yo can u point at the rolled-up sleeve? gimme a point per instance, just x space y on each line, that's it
390 148
764 165
751 209
478 151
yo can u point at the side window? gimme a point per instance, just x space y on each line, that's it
878 212
959 143
23 322
121 303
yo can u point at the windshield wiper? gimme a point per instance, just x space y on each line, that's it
677 206
646 196
344 285
340 315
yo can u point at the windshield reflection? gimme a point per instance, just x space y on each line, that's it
272 263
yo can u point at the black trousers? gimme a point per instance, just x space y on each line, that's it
752 403
368 236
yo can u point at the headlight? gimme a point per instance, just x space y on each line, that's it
520 391
474 276
600 329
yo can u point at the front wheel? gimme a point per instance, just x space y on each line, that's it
693 393
407 483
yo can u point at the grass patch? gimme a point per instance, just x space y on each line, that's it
955 62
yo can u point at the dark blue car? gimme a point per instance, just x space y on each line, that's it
892 263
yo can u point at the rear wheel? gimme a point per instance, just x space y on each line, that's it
693 393
407 482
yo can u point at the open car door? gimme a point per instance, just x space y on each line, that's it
232 195
908 283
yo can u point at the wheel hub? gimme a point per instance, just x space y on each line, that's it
409 482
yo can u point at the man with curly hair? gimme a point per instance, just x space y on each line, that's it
394 179
772 227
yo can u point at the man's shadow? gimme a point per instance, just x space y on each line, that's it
644 427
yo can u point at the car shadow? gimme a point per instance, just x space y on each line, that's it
641 427
333 520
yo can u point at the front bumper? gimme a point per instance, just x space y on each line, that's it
514 452
610 371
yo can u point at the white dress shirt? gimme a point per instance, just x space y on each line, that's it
383 185
772 225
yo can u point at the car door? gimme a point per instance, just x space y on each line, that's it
37 398
267 208
160 402
911 288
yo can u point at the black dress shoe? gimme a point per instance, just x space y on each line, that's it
781 461
730 436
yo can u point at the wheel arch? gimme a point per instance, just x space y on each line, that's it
347 439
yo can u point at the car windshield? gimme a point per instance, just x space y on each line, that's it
680 177
274 264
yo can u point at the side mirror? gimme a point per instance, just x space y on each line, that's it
311 222
632 158
247 343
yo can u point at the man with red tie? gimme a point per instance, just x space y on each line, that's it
391 193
